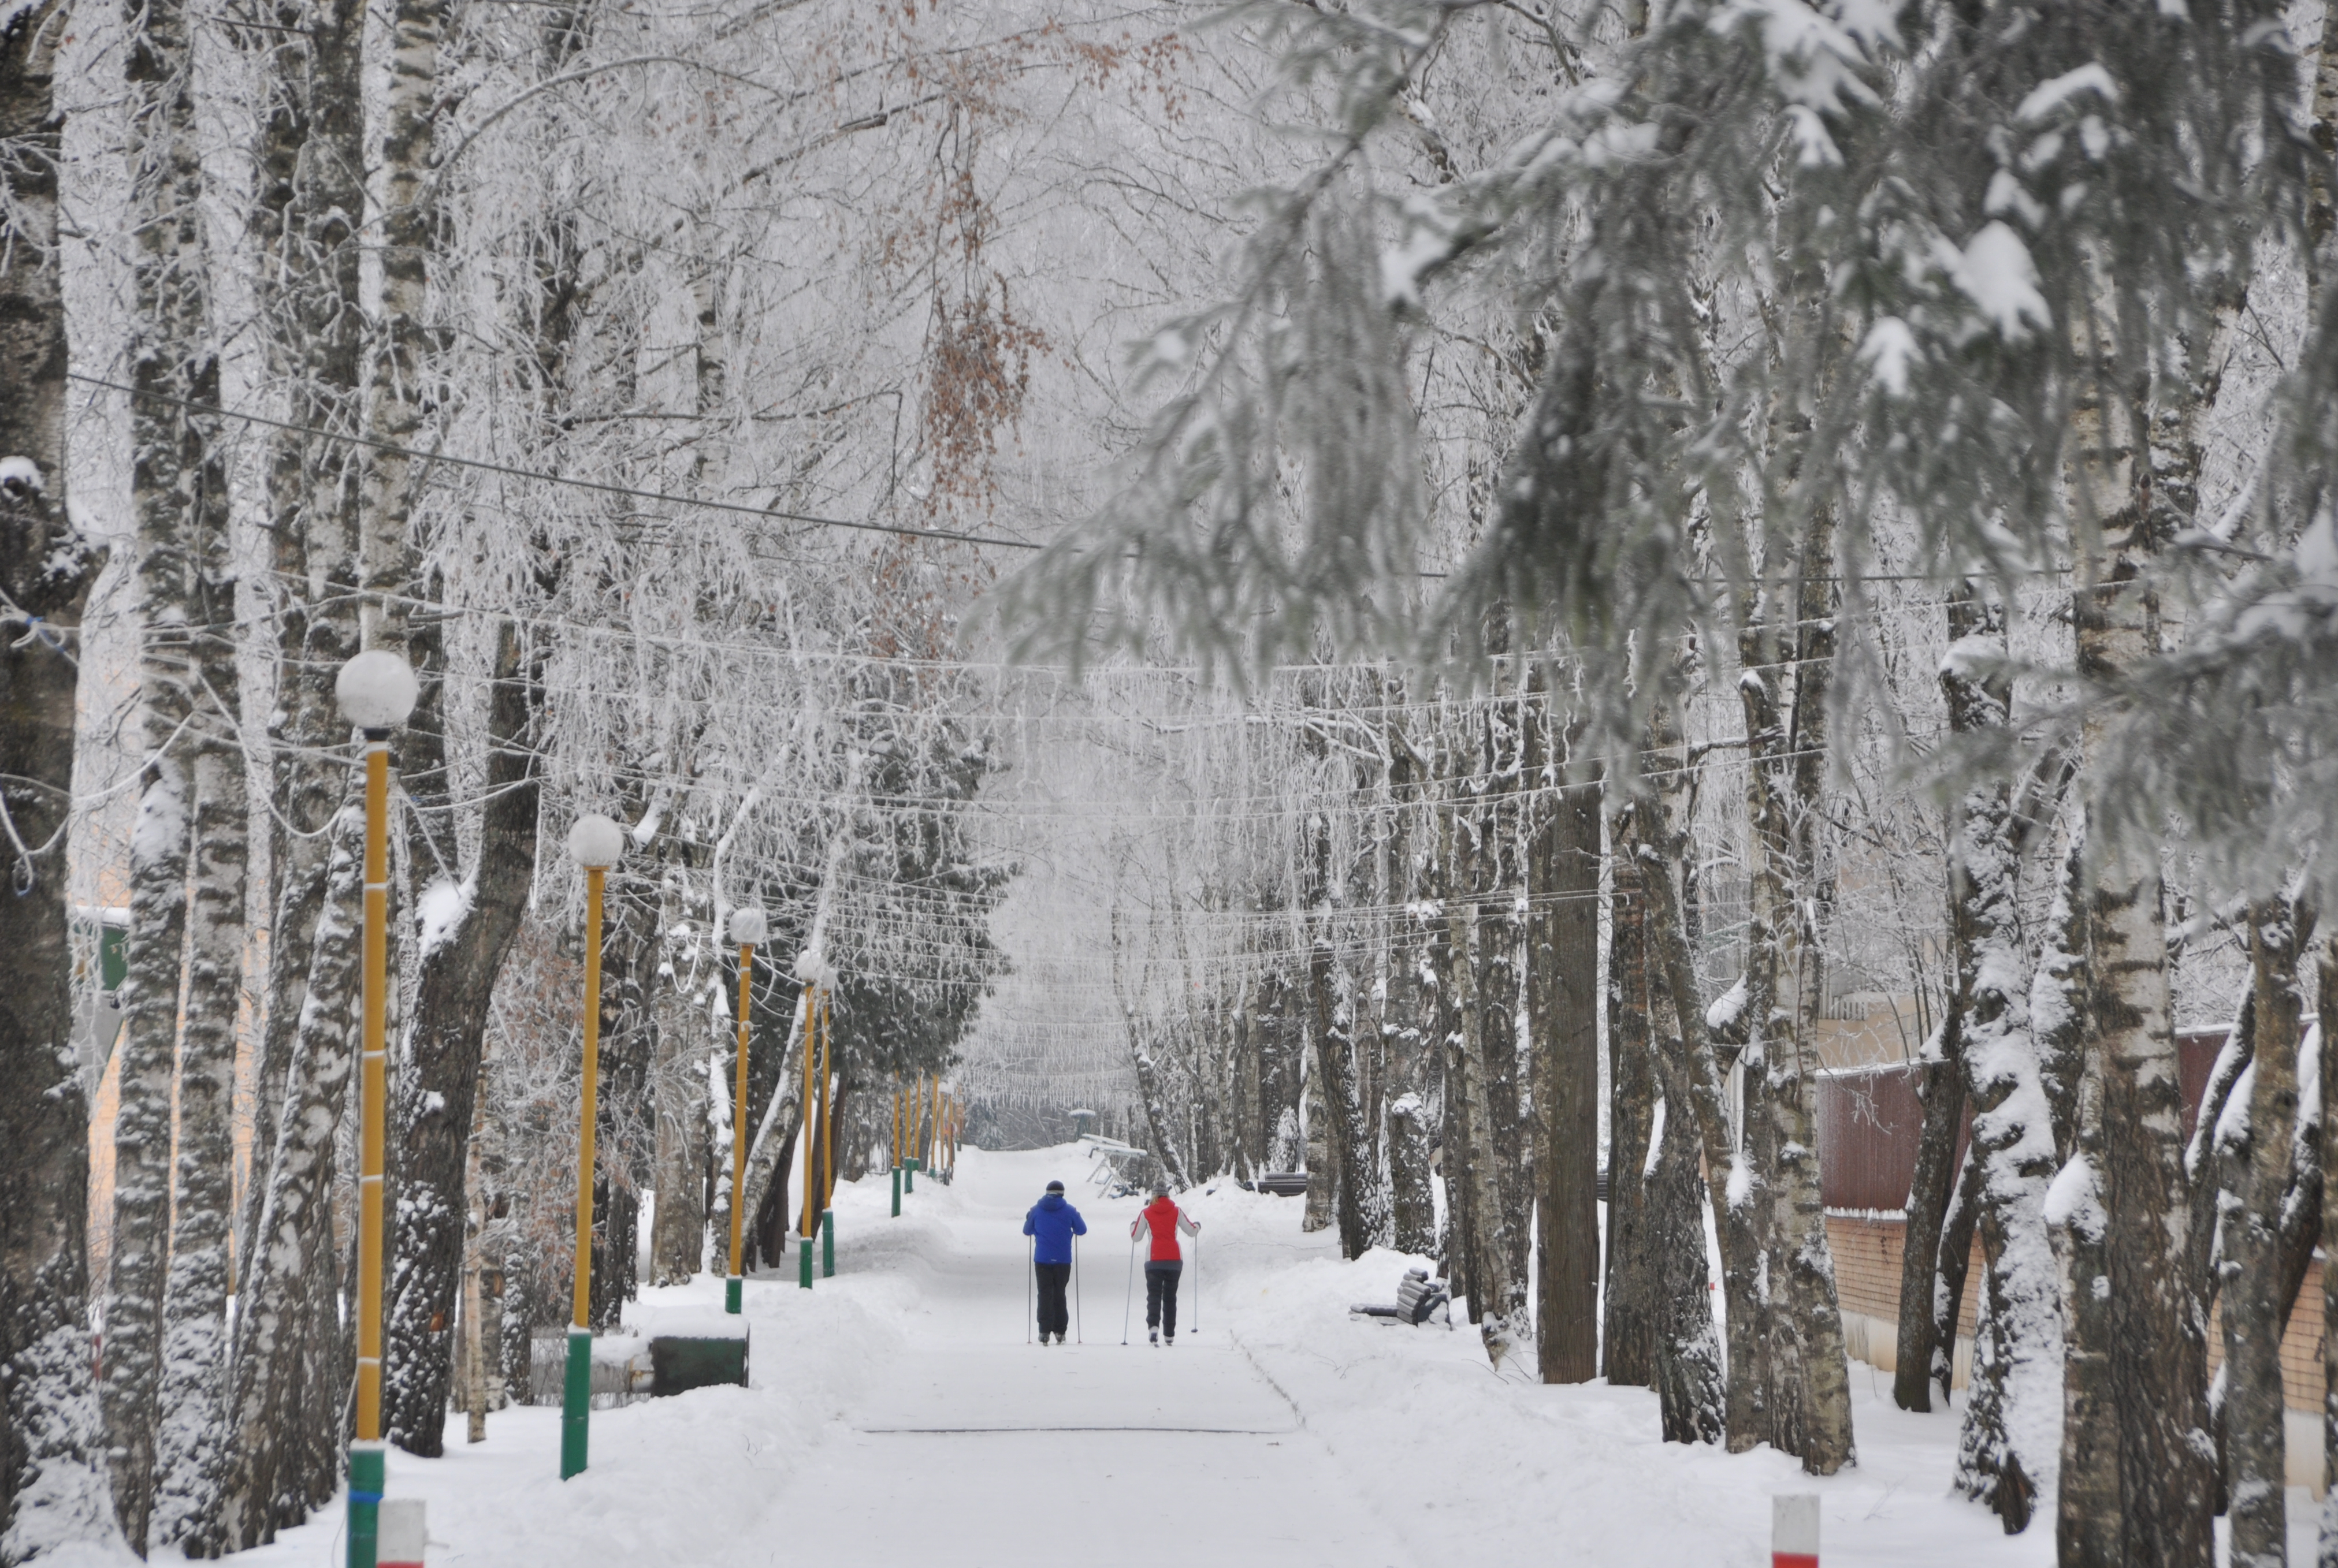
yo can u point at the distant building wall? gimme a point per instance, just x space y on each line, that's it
1869 1122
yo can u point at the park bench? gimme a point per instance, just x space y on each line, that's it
1418 1299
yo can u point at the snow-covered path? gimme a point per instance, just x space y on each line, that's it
973 1444
897 1412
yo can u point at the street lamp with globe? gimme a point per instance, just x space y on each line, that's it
376 691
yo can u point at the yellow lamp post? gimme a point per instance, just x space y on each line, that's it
827 1148
748 928
376 691
594 843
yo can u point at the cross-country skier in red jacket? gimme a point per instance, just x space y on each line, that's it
1161 1220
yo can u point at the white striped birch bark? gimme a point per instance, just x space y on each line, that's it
173 481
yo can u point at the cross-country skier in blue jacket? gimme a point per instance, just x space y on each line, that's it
1051 1225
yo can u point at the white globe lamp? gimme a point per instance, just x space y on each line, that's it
748 927
375 690
596 842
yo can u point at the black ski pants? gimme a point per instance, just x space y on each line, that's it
1161 1295
1055 1317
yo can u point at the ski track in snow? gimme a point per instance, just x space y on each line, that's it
896 1414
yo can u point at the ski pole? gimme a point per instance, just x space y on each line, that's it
1030 1274
1197 1281
1128 1297
1079 1322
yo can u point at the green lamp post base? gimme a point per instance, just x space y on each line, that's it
731 1291
366 1469
828 1243
897 1192
803 1264
575 1403
910 1174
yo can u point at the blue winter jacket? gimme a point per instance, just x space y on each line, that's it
1051 1225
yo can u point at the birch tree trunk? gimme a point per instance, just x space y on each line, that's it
178 495
1807 1372
1321 1204
286 1396
624 1078
1950 1271
2154 1348
1729 1180
2005 1450
1472 1158
772 1146
1361 1203
472 1373
310 157
2086 1495
1827 1444
2152 1342
54 1477
2250 1265
2201 1156
467 930
401 392
1500 881
678 1233
1691 1387
191 1457
1940 1090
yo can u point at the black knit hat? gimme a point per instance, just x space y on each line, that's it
1054 1186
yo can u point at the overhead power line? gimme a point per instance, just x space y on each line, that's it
511 472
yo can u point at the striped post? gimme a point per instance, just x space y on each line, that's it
1794 1530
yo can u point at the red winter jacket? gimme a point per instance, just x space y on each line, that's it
1161 1219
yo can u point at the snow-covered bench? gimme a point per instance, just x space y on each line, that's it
1418 1299
1120 1169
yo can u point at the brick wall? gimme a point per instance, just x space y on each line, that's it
1867 1252
2301 1348
1867 1255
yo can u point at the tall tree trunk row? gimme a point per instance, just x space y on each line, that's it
54 1475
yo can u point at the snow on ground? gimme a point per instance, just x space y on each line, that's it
897 1410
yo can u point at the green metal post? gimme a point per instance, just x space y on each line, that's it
575 1403
804 1258
897 1192
730 1294
364 1503
828 1243
909 1173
